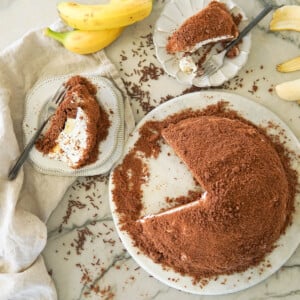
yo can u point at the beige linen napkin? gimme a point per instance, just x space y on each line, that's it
27 202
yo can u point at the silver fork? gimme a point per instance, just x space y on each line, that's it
50 108
215 62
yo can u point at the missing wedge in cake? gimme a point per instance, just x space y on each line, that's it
175 209
77 127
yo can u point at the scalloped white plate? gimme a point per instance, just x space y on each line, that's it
110 149
173 15
167 170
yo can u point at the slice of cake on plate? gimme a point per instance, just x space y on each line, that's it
73 134
212 24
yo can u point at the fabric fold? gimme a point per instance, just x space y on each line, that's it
32 283
27 202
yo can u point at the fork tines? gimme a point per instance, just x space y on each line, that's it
60 94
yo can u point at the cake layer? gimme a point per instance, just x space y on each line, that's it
72 141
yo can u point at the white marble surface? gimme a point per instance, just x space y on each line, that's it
83 253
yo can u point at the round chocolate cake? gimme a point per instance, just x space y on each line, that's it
247 203
243 210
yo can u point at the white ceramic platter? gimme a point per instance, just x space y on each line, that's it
166 172
110 149
173 15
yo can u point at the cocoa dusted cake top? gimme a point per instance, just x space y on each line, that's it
241 214
212 24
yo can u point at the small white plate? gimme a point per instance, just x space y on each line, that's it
173 15
110 149
165 173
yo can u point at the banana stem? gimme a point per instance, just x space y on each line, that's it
59 36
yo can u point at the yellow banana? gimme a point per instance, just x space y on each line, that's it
286 18
289 90
117 13
84 42
289 65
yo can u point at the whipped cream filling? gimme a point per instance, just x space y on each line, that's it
175 209
208 41
187 65
72 141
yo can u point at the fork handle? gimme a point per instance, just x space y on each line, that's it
249 27
18 164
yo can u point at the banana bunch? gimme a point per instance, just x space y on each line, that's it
97 26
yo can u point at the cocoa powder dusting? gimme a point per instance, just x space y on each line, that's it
212 21
129 177
155 237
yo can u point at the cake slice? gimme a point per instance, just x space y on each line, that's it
212 24
72 136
